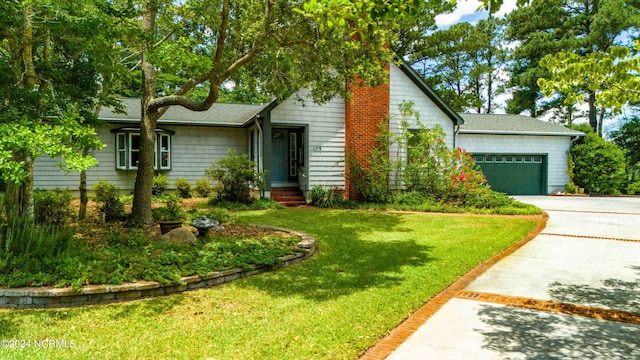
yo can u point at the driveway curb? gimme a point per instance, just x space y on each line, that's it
401 333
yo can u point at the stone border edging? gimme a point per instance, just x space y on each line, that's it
386 345
48 297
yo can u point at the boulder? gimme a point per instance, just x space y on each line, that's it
180 235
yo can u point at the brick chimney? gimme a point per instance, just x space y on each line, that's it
366 109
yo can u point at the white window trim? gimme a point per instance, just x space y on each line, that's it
121 146
163 151
128 160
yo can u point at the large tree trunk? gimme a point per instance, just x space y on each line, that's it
600 121
141 209
19 197
84 199
593 119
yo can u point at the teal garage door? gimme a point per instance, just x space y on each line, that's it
515 174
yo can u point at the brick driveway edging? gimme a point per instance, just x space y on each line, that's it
48 297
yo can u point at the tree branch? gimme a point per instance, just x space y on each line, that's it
214 76
222 37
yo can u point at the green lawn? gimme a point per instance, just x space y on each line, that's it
372 270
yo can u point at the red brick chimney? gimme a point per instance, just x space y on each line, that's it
366 109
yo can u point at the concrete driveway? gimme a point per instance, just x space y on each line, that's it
573 292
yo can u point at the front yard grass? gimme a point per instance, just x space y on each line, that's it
373 269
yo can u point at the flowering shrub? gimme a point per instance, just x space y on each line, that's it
430 172
450 176
465 182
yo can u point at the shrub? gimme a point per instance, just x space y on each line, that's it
236 176
109 198
183 188
450 176
160 183
428 161
570 188
324 196
53 207
599 166
171 211
24 245
634 188
203 188
371 180
411 198
264 204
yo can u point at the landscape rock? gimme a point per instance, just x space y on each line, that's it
180 235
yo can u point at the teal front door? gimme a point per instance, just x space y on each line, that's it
279 148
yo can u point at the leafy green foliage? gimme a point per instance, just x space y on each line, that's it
590 61
108 196
259 204
183 188
366 260
450 176
26 249
53 207
324 196
236 176
463 63
49 61
371 178
171 211
160 184
599 165
277 47
610 74
634 188
203 188
38 257
431 168
628 139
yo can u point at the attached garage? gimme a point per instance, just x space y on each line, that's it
518 154
515 174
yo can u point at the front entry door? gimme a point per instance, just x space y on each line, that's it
280 165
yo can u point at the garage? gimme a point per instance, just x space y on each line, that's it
518 154
514 174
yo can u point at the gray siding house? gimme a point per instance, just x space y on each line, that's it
303 145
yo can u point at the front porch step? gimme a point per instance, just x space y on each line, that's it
288 196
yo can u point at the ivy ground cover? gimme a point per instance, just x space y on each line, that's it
372 270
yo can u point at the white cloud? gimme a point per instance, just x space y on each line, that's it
507 7
469 10
463 7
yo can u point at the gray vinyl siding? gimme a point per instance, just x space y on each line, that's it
326 136
193 149
403 89
555 147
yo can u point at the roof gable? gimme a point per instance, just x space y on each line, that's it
427 90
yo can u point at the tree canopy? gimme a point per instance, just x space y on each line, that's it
281 46
48 86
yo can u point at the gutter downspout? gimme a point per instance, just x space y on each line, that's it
456 130
573 139
260 154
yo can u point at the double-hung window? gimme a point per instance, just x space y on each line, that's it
128 149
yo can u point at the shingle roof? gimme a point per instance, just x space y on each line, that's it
218 115
508 124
